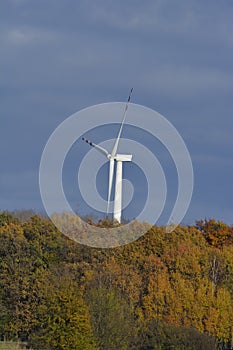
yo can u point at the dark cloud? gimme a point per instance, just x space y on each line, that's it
59 57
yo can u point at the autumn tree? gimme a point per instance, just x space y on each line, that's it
63 320
215 232
17 276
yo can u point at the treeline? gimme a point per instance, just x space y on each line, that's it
164 291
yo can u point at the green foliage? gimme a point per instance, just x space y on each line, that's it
62 317
158 336
111 318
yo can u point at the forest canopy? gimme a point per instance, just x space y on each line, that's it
165 290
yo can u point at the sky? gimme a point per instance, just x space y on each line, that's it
60 56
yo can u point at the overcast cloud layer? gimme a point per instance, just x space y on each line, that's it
58 57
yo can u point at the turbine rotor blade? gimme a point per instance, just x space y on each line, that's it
97 147
114 150
110 180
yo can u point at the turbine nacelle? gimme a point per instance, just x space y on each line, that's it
123 157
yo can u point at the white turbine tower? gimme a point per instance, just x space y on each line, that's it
118 158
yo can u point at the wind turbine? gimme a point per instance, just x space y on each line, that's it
119 159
